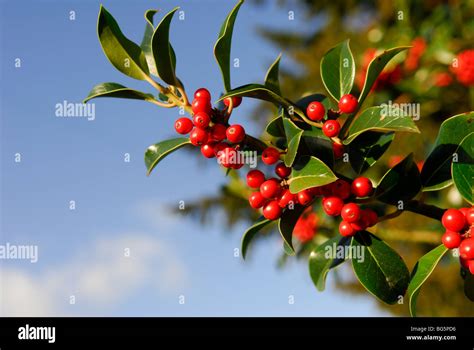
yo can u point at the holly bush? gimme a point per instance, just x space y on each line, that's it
320 146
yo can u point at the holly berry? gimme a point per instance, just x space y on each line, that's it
304 197
236 101
359 225
451 239
333 205
348 104
370 216
201 120
341 188
270 155
453 220
218 132
346 230
198 136
286 198
202 93
255 178
470 265
207 150
235 133
256 200
219 147
338 150
183 126
282 170
470 216
272 210
270 188
201 105
226 156
466 249
350 212
361 187
331 128
315 111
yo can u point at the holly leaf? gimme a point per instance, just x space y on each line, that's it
118 91
309 172
155 153
146 41
422 270
275 127
271 79
338 70
380 270
463 168
250 234
286 224
123 53
367 148
293 135
223 45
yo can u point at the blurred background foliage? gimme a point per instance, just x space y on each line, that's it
429 74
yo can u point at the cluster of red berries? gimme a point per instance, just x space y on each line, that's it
464 69
331 127
210 130
459 225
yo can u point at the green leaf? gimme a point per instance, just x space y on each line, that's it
310 172
436 172
155 153
367 148
223 45
338 70
275 127
146 41
463 168
163 53
400 183
287 223
116 90
250 234
320 262
293 136
422 270
376 67
377 119
271 79
124 54
381 271
315 143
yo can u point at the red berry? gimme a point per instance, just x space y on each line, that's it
220 147
270 188
331 128
464 263
315 111
236 101
370 216
346 230
272 211
255 178
286 198
470 216
341 188
183 126
203 94
207 150
361 187
256 200
237 164
218 132
466 249
198 136
453 220
226 157
282 170
451 239
338 150
304 197
348 104
270 155
201 120
333 205
359 225
235 133
201 105
470 265
350 212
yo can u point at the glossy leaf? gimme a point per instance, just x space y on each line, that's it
146 41
163 53
373 119
116 90
293 136
310 172
325 257
422 270
338 70
250 234
155 153
382 270
463 168
313 144
271 79
287 223
436 172
123 53
367 148
275 127
223 45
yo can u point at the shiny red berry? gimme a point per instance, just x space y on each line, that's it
333 205
341 188
226 157
350 212
338 150
270 155
470 216
453 220
201 120
218 131
256 200
331 128
272 210
315 111
198 136
282 170
201 105
202 93
304 197
348 104
219 147
270 188
346 230
359 225
207 150
451 239
466 249
286 198
183 126
370 216
236 101
255 178
235 133
361 187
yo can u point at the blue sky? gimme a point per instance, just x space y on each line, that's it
117 206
